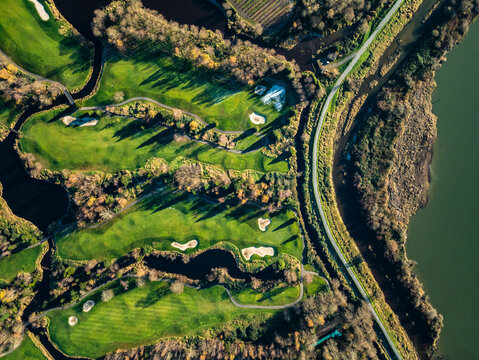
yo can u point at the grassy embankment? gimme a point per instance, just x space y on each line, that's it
8 114
211 96
38 46
26 351
118 143
329 132
164 218
140 316
24 261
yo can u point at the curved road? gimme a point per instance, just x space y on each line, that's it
317 197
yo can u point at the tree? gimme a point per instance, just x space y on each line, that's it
107 295
119 96
177 287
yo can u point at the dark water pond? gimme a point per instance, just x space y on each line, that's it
37 201
200 266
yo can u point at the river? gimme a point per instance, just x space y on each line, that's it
443 237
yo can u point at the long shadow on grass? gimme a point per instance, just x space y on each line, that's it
153 297
291 238
285 224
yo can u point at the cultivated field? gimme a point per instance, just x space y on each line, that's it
176 84
21 261
38 46
139 316
119 143
164 218
264 12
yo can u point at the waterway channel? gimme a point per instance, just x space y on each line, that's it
443 237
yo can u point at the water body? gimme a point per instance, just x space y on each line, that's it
443 237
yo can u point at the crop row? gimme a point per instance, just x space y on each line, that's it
265 12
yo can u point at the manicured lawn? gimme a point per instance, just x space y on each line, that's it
318 284
118 143
164 218
174 83
26 351
38 46
276 296
139 316
20 261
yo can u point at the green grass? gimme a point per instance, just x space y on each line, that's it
20 261
118 143
176 84
38 46
317 285
275 296
8 114
164 218
26 351
139 316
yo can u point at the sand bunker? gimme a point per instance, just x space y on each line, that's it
73 121
189 245
261 251
72 320
257 119
88 305
40 10
263 223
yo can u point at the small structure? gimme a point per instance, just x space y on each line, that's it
263 223
189 245
334 334
72 320
260 251
259 90
257 119
73 121
88 305
276 96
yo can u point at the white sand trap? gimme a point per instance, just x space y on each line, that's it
72 320
73 121
257 119
261 251
40 10
189 245
88 305
263 223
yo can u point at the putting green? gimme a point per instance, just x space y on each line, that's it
24 261
164 218
139 316
175 83
119 143
38 46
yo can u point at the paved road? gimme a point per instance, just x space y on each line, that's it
317 197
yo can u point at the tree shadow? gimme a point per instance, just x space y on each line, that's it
153 297
285 224
292 238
